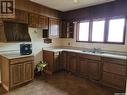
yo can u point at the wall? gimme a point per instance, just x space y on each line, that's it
115 8
37 44
112 47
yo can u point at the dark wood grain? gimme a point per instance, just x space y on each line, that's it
29 6
115 8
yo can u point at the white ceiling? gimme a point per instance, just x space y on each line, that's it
66 5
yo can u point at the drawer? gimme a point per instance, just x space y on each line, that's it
113 80
114 68
91 57
19 60
113 60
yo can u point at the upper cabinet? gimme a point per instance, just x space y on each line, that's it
67 30
20 17
38 21
33 20
54 27
43 22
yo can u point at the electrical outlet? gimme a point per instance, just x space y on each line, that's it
69 43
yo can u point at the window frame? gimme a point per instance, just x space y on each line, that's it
106 28
124 31
77 30
92 29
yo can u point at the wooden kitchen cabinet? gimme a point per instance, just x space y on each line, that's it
89 66
33 20
48 57
114 73
82 66
16 72
63 60
54 27
20 17
43 22
94 70
53 61
71 62
63 33
28 69
67 30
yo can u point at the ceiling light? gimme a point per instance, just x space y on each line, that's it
75 1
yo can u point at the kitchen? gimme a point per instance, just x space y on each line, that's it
81 56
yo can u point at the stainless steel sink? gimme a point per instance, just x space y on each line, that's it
93 52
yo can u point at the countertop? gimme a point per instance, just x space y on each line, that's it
13 54
106 54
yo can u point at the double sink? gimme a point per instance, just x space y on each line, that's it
105 54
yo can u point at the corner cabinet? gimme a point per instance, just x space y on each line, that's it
67 30
71 62
16 72
54 28
53 61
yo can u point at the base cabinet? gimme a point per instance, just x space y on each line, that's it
94 70
71 62
82 67
114 73
114 81
110 72
16 72
28 69
53 61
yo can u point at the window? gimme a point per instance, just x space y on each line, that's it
105 31
98 31
116 30
84 31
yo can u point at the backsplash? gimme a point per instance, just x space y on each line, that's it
111 47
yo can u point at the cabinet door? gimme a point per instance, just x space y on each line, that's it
28 71
63 60
48 57
63 33
21 16
54 27
43 22
70 29
56 65
114 80
82 67
72 62
114 73
94 70
16 74
33 20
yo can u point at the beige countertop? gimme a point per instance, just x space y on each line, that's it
111 55
13 54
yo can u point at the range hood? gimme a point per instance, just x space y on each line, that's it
14 32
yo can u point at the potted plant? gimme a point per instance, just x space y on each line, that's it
40 68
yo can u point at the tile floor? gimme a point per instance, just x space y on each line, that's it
62 84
